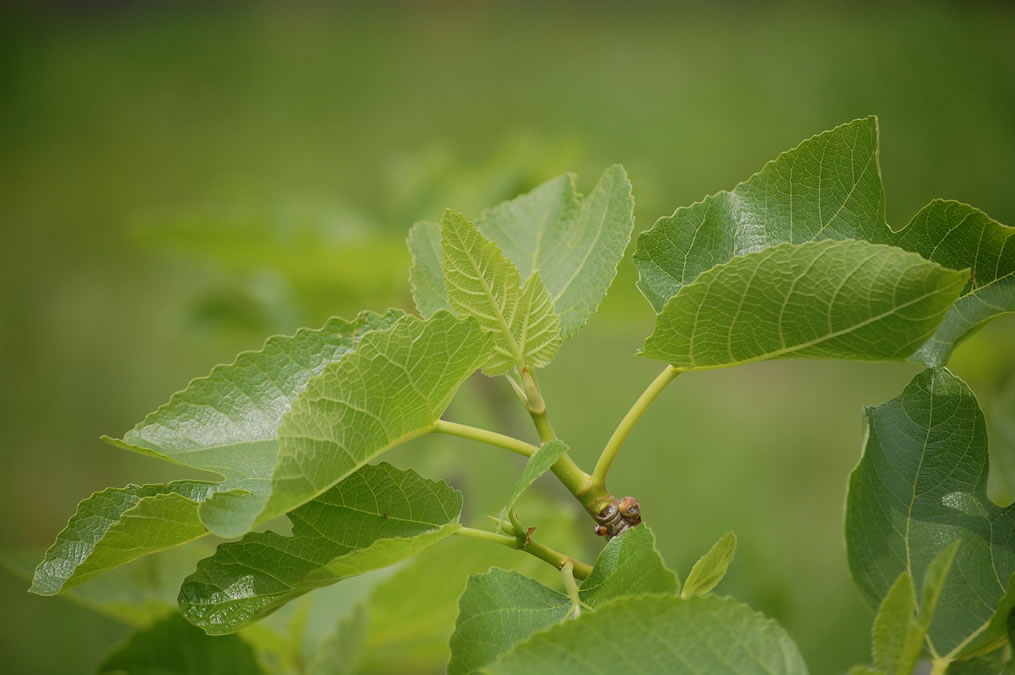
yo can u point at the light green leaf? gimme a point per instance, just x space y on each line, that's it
827 299
828 187
574 242
500 609
538 464
339 653
659 634
919 487
119 525
413 614
224 423
391 389
711 567
374 518
899 630
628 565
959 236
482 283
895 640
174 647
426 277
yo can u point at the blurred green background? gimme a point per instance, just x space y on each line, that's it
177 182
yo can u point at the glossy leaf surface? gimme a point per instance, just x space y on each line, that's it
828 187
375 517
827 299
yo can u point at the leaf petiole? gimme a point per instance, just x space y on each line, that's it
484 436
630 420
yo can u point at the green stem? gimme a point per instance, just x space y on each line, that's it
939 666
565 469
484 436
627 424
544 553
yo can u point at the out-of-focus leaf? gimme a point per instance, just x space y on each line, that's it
920 486
574 242
711 567
825 299
1001 432
828 187
174 647
137 593
339 653
659 634
500 609
375 517
484 284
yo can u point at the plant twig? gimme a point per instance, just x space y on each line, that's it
630 420
525 543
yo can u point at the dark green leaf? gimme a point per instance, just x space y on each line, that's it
828 187
174 647
959 236
375 517
826 299
920 486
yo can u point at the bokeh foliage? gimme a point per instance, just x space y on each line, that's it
179 182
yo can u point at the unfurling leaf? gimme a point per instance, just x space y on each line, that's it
711 567
538 464
825 300
574 242
484 284
374 518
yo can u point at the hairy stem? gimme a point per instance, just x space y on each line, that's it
630 420
484 436
525 543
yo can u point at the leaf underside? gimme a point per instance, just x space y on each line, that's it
920 486
380 379
484 284
374 518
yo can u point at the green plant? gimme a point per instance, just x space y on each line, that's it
796 262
